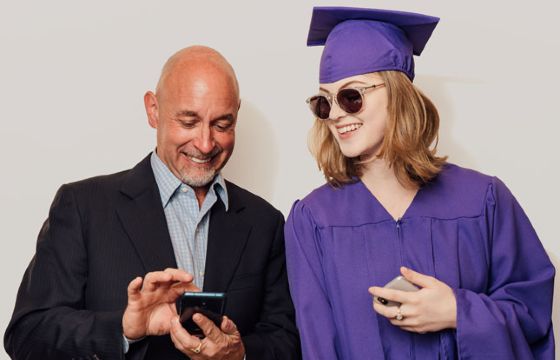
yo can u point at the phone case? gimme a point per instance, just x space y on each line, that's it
398 283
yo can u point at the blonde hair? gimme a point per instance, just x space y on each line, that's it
409 145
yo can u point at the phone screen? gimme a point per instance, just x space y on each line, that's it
210 305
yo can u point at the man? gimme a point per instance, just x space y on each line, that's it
172 211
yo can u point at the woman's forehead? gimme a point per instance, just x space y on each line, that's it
357 80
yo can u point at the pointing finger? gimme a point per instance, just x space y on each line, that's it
153 280
179 275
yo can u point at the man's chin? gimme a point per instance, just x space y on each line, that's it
201 180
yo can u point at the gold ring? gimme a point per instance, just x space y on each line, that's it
196 350
399 316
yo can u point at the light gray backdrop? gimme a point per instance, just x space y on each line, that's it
73 74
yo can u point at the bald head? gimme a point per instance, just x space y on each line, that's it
193 63
194 112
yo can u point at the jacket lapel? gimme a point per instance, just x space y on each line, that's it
143 218
227 237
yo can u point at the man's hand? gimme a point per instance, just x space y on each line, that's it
432 308
222 343
151 302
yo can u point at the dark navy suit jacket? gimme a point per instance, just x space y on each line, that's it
103 232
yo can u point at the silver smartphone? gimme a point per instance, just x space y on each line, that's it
398 283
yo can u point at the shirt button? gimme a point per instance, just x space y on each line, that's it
184 189
201 273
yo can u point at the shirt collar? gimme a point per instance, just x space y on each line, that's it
168 183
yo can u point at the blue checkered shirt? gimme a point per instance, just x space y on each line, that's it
186 221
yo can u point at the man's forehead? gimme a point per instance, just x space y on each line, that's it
202 101
197 91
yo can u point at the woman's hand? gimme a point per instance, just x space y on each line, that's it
432 308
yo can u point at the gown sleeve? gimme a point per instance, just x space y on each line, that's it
512 318
307 285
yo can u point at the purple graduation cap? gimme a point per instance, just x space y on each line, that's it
359 41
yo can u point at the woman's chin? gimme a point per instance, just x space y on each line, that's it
351 153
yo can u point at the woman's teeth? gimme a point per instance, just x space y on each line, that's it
348 128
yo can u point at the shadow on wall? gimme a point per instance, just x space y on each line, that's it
254 163
437 89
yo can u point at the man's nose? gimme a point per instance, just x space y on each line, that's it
204 142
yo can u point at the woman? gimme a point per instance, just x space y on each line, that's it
391 206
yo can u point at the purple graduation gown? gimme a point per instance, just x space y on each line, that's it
464 228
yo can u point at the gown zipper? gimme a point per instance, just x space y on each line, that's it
398 223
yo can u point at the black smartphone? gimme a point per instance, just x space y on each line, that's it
208 304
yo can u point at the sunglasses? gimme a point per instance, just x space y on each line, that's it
351 100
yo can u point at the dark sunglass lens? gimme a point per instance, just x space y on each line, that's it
320 107
350 100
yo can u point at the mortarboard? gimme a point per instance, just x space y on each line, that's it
359 41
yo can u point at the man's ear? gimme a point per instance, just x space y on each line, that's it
152 109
